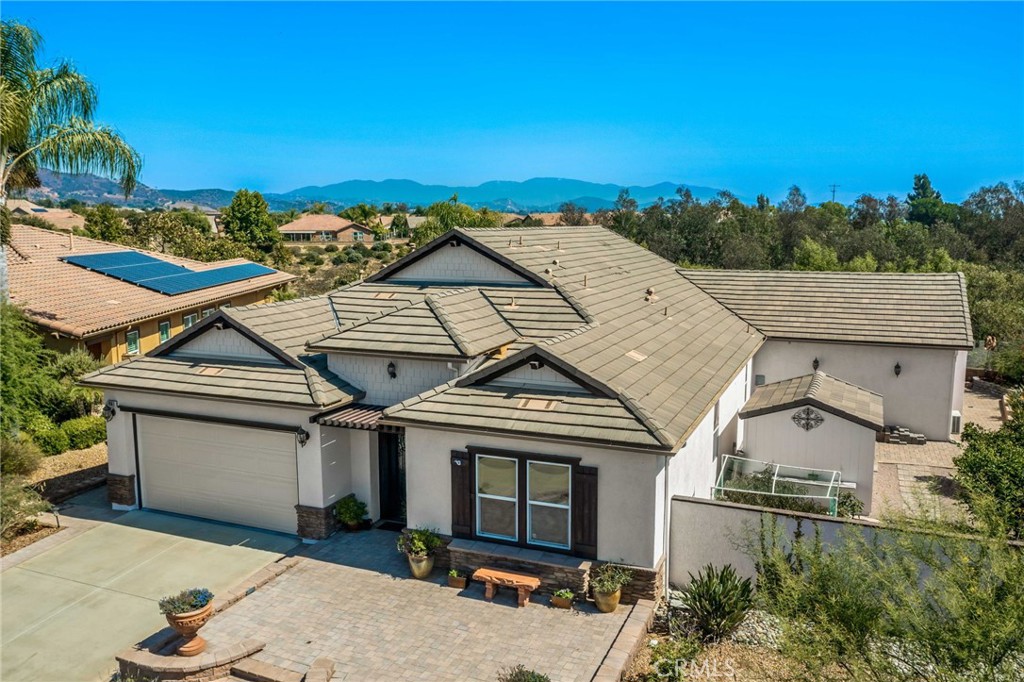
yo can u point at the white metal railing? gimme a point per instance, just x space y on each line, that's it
743 477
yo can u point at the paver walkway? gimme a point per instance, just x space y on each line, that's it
352 600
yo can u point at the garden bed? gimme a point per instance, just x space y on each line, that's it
62 476
25 539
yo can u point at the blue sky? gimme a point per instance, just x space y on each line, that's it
750 97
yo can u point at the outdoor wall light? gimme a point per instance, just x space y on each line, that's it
536 364
815 364
302 435
897 369
110 409
392 372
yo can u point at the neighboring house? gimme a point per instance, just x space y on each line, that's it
117 312
325 227
548 389
61 218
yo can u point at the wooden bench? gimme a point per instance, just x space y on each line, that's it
494 578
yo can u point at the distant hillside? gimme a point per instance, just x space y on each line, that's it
537 194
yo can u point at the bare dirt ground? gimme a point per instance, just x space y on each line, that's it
26 539
61 476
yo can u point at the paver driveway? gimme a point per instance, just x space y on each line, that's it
351 600
67 611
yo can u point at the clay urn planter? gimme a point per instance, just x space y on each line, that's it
419 545
607 582
186 613
456 580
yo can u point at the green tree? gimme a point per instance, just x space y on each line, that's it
46 119
364 214
925 204
106 224
448 215
248 222
571 214
810 255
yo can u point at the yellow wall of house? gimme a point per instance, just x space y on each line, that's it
113 345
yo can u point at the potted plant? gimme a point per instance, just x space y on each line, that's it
419 545
186 612
607 582
456 579
562 599
351 512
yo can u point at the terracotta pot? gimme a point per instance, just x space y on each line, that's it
421 566
561 602
187 625
353 527
458 583
607 602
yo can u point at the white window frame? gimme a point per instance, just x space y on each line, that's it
480 495
128 342
530 503
160 329
189 320
208 312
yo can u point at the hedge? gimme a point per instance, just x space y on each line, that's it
85 432
52 442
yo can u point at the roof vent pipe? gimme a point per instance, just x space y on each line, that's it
71 241
520 240
585 281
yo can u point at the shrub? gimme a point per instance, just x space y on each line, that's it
350 510
608 578
85 432
37 422
19 505
331 248
716 602
53 441
20 456
521 673
185 601
318 250
339 259
848 505
355 257
669 658
419 542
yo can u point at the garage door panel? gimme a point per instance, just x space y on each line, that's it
227 473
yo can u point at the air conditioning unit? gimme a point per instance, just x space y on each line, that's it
957 421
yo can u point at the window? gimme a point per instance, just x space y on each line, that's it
189 320
165 330
208 312
357 236
548 513
497 488
133 342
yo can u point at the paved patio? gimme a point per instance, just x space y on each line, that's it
352 600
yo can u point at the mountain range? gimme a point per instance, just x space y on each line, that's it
536 194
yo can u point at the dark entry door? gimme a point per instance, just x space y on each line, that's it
391 460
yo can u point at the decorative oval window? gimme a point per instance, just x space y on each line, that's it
808 418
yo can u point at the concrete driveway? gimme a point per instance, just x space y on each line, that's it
68 610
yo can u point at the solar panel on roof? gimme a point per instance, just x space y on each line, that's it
161 276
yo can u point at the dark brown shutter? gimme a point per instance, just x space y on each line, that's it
584 512
462 494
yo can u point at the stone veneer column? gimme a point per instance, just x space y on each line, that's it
121 489
315 523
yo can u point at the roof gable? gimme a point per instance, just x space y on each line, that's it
217 343
820 390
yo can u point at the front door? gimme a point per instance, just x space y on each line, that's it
391 460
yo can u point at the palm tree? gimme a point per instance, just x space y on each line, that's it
46 120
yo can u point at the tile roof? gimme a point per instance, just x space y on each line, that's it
463 323
907 309
301 380
818 390
319 222
61 218
81 303
667 355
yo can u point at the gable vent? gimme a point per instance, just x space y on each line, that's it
537 404
636 355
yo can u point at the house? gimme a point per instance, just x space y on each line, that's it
325 227
60 218
542 389
119 312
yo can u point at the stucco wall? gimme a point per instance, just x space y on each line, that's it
364 467
921 398
712 532
223 343
837 444
313 490
959 381
457 264
370 373
627 487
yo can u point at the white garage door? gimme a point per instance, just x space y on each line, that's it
226 473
